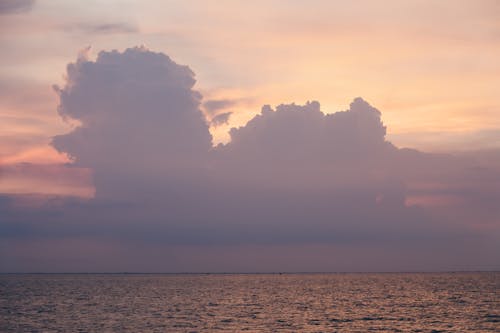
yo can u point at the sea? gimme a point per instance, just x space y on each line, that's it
340 302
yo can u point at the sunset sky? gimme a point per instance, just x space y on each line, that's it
93 142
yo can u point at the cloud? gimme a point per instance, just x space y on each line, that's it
106 95
305 134
293 177
211 107
42 179
104 28
15 6
220 119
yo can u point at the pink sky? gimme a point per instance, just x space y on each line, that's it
429 71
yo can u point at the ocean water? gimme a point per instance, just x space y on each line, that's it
424 302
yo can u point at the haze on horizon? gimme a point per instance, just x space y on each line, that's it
266 159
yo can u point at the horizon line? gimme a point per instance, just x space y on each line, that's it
253 273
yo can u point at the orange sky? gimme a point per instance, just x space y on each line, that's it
430 67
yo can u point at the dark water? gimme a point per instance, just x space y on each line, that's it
451 302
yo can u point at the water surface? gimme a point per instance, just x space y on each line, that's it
447 302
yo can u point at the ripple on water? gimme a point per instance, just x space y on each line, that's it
251 303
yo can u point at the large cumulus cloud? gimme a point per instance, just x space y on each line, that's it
308 146
139 119
292 180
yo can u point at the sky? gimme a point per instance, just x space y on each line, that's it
228 136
